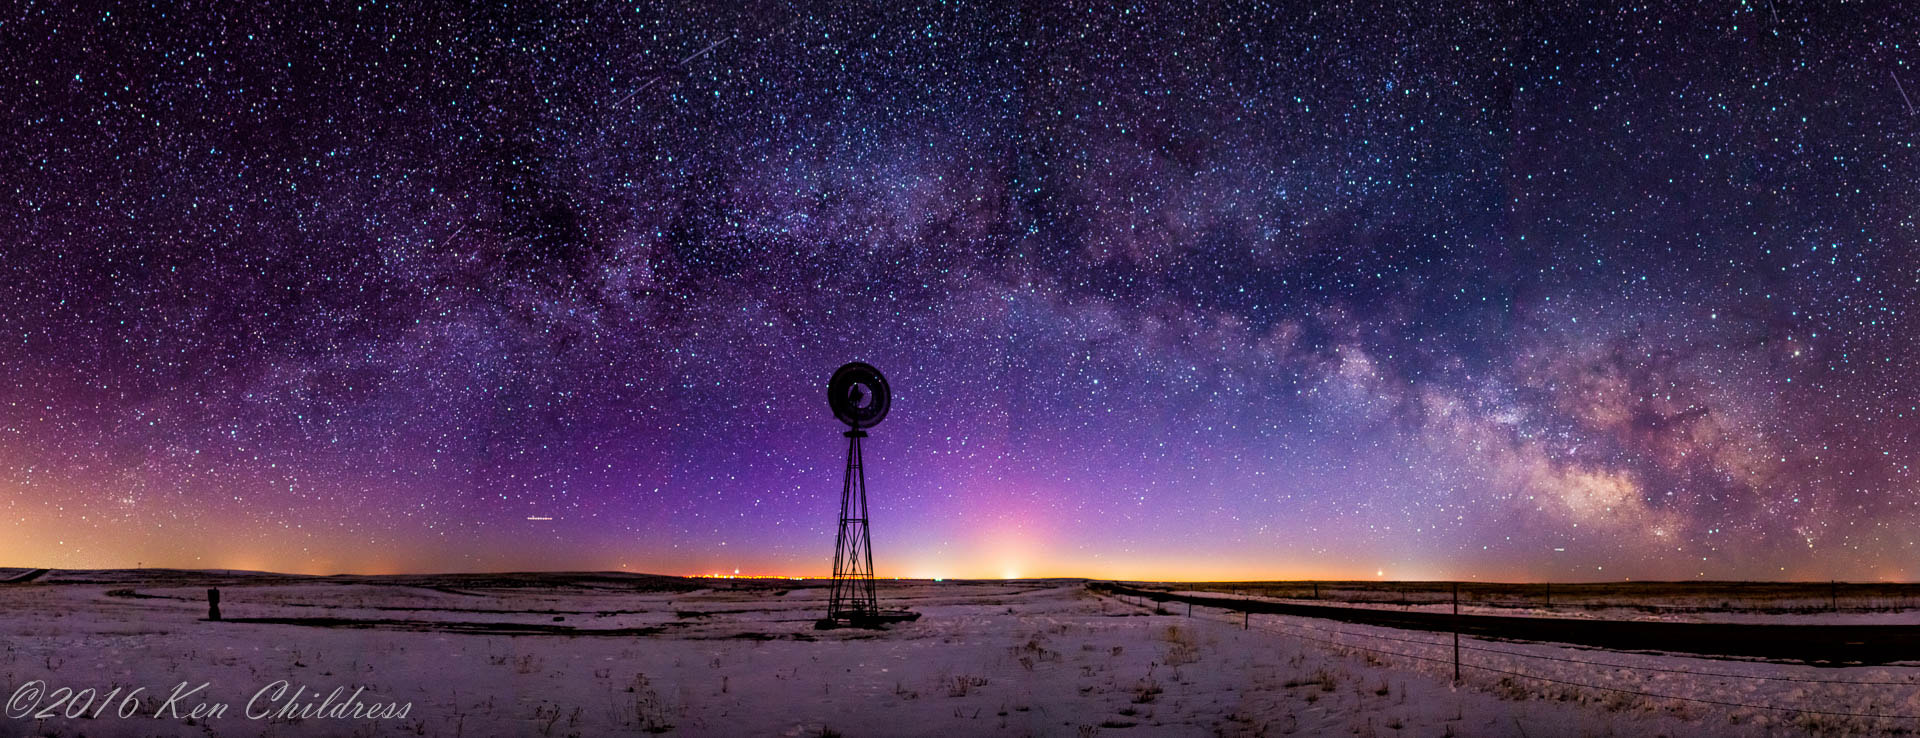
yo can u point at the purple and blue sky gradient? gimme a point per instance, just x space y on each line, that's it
1198 291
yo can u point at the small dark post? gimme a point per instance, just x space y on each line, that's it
1316 590
1456 632
1549 595
1246 619
213 603
1833 595
1189 608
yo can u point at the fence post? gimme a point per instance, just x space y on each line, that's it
1549 595
213 603
1316 590
1246 620
1456 632
1833 595
1189 608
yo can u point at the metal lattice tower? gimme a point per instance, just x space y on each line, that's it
852 595
859 397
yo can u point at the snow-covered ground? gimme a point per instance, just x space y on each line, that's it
553 655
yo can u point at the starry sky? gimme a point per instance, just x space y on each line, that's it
1186 290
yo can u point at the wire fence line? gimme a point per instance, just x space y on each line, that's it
1611 665
1585 685
1292 631
1810 600
1903 605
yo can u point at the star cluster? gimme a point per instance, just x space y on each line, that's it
1190 291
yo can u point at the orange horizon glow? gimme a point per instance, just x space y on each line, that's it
1017 543
1045 574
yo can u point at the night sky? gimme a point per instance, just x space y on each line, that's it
1188 291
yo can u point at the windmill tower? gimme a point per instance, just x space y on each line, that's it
859 397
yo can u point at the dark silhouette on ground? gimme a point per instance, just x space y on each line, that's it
24 577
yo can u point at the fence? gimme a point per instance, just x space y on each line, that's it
1315 633
1655 597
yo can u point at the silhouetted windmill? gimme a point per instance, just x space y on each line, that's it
859 397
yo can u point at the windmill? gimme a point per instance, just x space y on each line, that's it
859 397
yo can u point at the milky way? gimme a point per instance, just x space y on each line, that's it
1205 291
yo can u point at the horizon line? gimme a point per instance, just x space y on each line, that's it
814 577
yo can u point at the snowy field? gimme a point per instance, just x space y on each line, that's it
592 655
